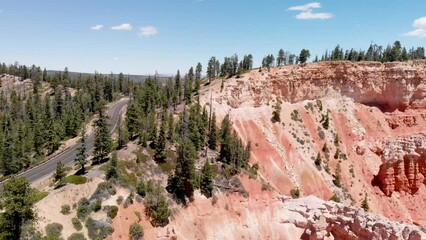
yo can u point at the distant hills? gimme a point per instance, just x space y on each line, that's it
135 78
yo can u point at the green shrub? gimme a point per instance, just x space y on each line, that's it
266 186
166 166
253 169
295 116
215 170
138 214
336 140
337 176
364 204
40 195
75 179
76 236
141 188
30 232
65 209
327 168
335 198
140 157
77 224
129 200
112 212
120 200
321 133
104 190
325 121
54 230
83 208
318 160
97 205
135 231
325 148
295 193
98 229
129 179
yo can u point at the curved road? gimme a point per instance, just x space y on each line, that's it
68 156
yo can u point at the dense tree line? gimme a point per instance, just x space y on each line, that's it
32 123
390 53
231 66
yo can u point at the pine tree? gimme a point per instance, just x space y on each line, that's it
123 136
133 119
171 130
318 160
18 199
81 152
195 135
276 114
336 140
281 58
226 141
304 55
178 88
157 206
102 142
187 91
160 145
182 182
246 155
213 133
206 184
152 128
198 71
112 171
337 177
60 174
364 204
161 213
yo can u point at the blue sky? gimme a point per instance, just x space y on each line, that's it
166 35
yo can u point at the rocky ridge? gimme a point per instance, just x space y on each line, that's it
389 86
322 219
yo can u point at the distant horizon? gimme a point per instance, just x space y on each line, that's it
142 37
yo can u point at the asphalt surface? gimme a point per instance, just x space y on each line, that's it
68 156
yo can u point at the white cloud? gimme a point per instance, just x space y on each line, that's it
311 15
123 27
419 28
306 12
420 32
148 31
306 7
97 27
420 23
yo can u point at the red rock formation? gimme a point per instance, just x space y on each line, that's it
321 219
346 90
403 165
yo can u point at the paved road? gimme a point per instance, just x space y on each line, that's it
68 156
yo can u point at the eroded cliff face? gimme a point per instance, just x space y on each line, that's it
403 166
388 86
368 105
